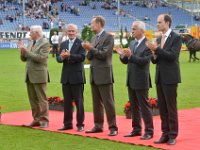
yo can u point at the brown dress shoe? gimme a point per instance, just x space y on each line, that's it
146 137
163 139
133 133
94 130
32 124
44 124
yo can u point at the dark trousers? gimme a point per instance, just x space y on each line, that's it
141 109
168 109
73 93
103 98
54 49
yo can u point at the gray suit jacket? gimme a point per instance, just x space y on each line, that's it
138 75
101 59
36 61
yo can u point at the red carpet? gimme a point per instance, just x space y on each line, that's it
188 139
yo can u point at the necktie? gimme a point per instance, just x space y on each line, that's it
97 38
162 41
34 43
70 44
135 46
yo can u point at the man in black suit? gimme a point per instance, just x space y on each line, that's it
72 55
166 57
138 81
101 76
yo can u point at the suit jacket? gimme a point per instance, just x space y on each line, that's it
73 67
36 61
101 59
138 75
167 68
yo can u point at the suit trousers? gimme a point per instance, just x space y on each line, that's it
168 109
103 98
141 109
73 93
38 101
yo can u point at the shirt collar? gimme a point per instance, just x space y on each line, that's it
140 40
72 40
99 34
168 32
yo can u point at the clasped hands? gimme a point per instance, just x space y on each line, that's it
152 46
22 46
65 54
87 46
126 52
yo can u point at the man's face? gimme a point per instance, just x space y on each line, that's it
71 32
137 32
94 26
161 24
33 34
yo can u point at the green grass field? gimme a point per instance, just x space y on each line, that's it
13 97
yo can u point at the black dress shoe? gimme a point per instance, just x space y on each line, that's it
113 133
146 137
163 139
65 128
94 130
171 142
133 133
80 129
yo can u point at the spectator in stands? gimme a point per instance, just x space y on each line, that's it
1 21
55 41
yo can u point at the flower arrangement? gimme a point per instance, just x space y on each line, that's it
153 103
0 113
55 99
56 103
127 110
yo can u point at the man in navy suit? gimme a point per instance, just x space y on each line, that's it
166 57
138 58
72 55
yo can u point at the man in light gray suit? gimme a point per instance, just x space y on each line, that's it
101 76
35 56
138 81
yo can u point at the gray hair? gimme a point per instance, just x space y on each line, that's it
140 25
71 25
38 29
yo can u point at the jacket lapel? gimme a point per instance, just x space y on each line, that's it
140 45
100 39
74 45
168 40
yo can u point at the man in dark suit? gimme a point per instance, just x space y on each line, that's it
101 76
138 81
166 57
72 55
36 56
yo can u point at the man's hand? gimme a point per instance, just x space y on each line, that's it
65 54
119 50
152 46
127 52
22 47
87 46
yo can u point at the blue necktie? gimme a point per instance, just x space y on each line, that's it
135 46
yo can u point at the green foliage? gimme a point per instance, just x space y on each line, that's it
87 34
127 36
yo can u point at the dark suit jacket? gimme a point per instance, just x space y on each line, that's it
101 59
36 61
73 67
167 68
138 75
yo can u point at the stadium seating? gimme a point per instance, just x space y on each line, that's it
113 22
